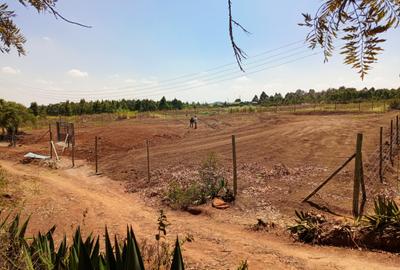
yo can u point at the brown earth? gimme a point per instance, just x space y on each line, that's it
70 197
281 158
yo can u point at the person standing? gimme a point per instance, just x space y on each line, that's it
195 122
191 122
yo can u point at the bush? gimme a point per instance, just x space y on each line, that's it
211 177
394 105
308 227
182 197
209 185
380 230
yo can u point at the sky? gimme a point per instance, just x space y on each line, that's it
175 48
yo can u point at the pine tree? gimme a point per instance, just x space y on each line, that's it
263 97
255 99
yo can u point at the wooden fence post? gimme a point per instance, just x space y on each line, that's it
397 129
148 160
384 106
381 154
372 105
50 139
359 106
95 154
391 142
73 148
358 175
234 165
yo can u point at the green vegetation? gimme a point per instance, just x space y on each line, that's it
386 216
379 230
341 95
40 252
308 227
210 184
68 108
12 116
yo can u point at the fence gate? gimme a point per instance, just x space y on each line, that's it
65 132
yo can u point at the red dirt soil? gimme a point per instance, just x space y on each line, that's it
306 147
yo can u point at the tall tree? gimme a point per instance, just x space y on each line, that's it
34 108
163 105
263 97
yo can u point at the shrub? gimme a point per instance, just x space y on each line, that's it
308 227
394 105
379 230
386 216
212 180
180 197
211 183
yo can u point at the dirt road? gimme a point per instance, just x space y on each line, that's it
68 197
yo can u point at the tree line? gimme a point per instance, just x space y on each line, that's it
69 108
332 95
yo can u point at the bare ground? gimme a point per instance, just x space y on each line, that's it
69 197
308 147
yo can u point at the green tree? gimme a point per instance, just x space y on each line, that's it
163 105
12 116
255 99
34 108
177 104
263 97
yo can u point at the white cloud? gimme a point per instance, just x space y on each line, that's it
76 73
130 81
46 38
114 76
10 70
194 83
242 79
42 81
151 81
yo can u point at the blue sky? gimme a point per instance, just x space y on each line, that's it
136 47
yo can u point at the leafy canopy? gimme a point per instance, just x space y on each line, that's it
359 23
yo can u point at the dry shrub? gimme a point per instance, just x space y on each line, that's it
154 259
209 184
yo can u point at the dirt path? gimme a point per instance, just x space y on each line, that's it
68 197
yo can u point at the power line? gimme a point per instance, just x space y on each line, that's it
249 73
209 83
234 63
209 78
201 75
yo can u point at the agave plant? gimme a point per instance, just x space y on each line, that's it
39 253
307 227
386 214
